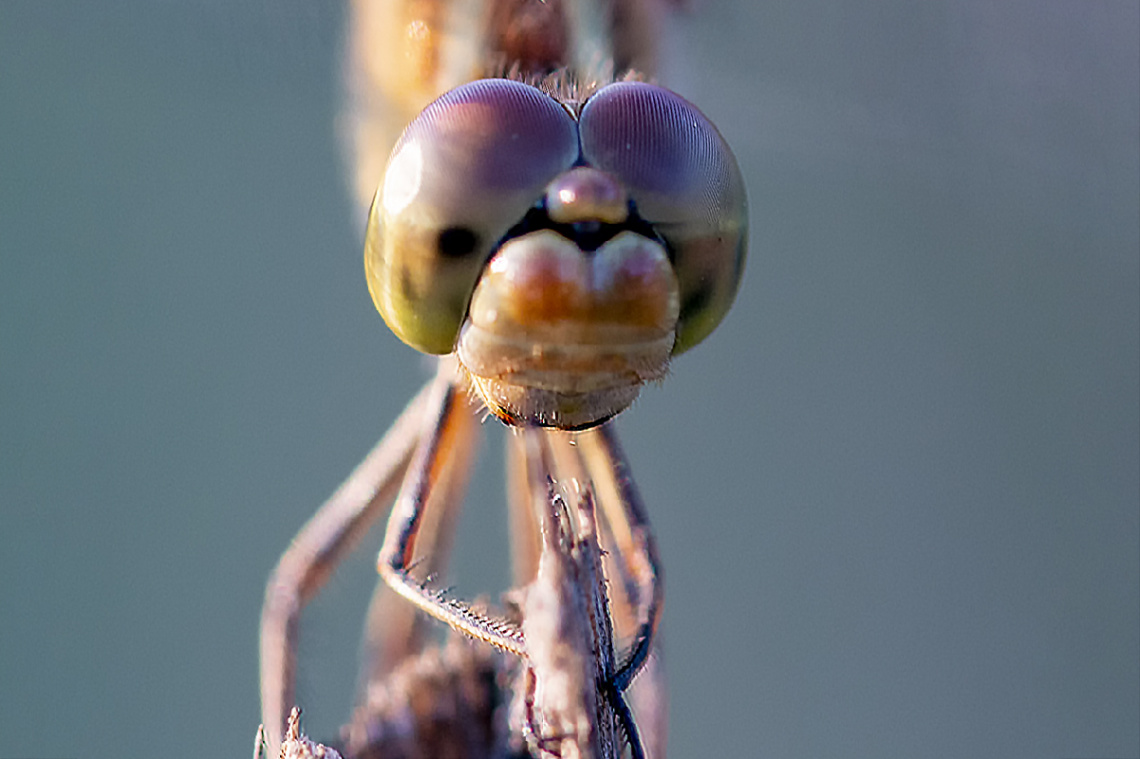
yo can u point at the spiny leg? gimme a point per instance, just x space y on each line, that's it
450 424
625 516
316 551
395 629
632 562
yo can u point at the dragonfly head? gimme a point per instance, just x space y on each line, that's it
564 254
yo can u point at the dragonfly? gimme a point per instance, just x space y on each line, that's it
556 228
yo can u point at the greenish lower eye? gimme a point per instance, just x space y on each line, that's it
685 182
461 175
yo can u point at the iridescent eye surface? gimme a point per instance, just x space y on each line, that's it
685 182
463 173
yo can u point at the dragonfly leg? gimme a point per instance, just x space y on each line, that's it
447 430
636 549
625 720
395 630
632 565
316 551
522 493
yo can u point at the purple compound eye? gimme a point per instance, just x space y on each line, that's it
463 173
684 180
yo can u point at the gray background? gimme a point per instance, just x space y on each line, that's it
896 493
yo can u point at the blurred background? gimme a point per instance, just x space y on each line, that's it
897 493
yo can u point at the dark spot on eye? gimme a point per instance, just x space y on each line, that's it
695 302
456 242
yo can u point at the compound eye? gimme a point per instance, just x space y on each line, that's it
462 174
684 181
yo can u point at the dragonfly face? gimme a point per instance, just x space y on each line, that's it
564 249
